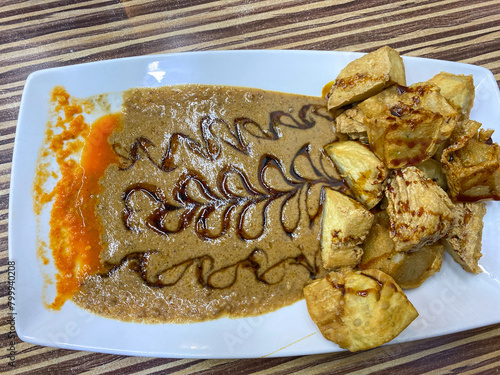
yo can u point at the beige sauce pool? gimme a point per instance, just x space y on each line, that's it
214 209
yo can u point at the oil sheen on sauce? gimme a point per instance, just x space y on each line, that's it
199 201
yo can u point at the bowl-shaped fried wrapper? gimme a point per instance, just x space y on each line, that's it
367 76
358 310
417 266
405 125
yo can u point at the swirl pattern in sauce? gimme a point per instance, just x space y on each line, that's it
214 208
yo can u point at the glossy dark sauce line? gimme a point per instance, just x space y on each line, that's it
210 145
221 200
200 212
138 262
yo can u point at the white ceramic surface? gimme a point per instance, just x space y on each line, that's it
450 301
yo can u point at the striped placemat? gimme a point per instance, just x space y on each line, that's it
41 34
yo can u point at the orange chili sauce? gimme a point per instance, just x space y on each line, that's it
326 89
74 227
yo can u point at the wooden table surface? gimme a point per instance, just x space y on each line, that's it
42 34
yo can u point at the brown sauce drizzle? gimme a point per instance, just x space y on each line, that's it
218 204
195 212
212 142
373 278
138 262
211 150
193 209
350 81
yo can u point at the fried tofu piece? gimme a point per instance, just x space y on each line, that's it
409 269
345 224
367 76
350 127
405 125
472 164
358 310
419 265
459 90
434 170
420 212
362 171
464 237
351 123
379 251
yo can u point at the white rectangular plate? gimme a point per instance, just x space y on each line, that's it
450 301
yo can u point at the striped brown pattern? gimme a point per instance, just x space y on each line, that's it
42 34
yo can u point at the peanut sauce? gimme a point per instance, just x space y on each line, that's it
195 202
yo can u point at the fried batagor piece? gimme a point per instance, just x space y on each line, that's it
472 164
459 90
379 251
362 171
464 238
409 269
434 170
367 76
405 125
420 212
358 310
418 265
345 224
351 123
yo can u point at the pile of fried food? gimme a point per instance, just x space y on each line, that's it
418 170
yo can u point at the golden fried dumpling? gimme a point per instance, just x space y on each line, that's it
420 212
464 237
345 224
405 125
362 171
367 76
358 310
472 164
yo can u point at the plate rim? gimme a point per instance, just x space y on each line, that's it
20 126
